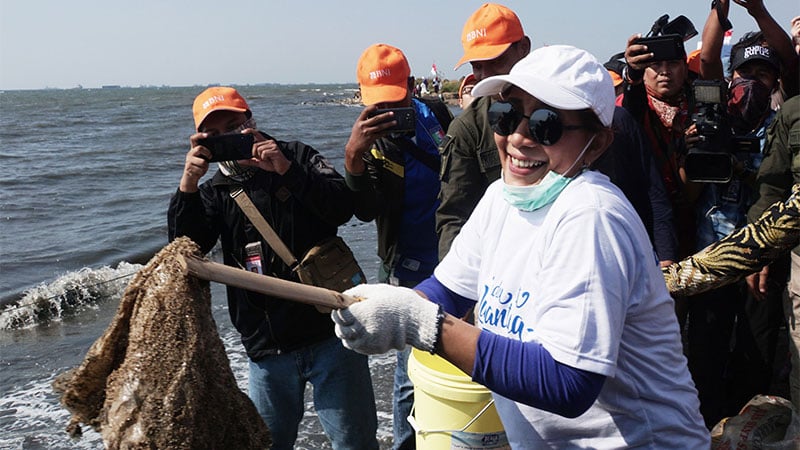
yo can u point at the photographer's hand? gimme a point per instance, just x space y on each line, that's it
692 137
196 164
753 7
267 155
365 132
637 57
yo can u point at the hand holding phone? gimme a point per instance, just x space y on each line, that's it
406 119
664 48
229 147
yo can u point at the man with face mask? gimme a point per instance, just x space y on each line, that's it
755 70
493 41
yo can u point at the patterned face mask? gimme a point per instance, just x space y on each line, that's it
748 104
232 169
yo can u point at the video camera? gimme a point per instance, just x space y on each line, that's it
712 159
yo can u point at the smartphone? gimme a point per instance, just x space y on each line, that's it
667 47
229 147
406 118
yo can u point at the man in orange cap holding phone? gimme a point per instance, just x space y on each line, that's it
392 166
493 41
299 193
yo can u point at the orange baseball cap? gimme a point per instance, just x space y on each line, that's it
468 80
382 74
489 31
615 77
215 99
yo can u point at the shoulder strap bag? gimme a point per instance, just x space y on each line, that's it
329 264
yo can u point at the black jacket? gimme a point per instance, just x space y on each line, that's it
304 206
629 164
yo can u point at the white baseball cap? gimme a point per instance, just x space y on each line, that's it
561 76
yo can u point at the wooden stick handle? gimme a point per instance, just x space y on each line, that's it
290 290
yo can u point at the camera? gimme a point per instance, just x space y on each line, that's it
711 160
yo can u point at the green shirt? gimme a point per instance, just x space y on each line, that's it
470 163
780 167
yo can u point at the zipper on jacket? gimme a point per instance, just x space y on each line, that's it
271 334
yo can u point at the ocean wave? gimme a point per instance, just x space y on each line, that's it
24 411
68 294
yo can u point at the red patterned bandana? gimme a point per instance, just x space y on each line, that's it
748 104
671 114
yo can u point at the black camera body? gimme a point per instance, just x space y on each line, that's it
712 159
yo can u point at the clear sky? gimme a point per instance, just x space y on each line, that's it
63 44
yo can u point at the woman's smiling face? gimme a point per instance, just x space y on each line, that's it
525 161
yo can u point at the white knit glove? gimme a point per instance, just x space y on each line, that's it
388 317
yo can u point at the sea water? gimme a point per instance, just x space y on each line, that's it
87 177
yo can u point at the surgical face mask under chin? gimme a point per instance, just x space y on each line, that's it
536 196
232 169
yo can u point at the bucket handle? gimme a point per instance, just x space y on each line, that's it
415 426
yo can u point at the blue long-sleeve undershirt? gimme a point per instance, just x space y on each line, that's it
521 371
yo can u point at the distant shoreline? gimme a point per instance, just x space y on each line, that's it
449 98
352 86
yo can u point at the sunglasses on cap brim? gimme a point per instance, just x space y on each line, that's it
544 125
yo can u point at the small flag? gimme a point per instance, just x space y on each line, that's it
727 39
726 49
434 71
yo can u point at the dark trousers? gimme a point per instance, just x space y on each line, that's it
731 344
753 363
709 327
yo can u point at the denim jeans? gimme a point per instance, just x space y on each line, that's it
343 397
403 435
402 402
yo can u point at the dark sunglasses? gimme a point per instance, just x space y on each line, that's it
544 125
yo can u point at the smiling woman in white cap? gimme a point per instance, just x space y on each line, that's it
575 333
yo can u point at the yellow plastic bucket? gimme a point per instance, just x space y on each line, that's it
450 410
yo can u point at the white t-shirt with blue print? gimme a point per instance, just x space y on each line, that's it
580 277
